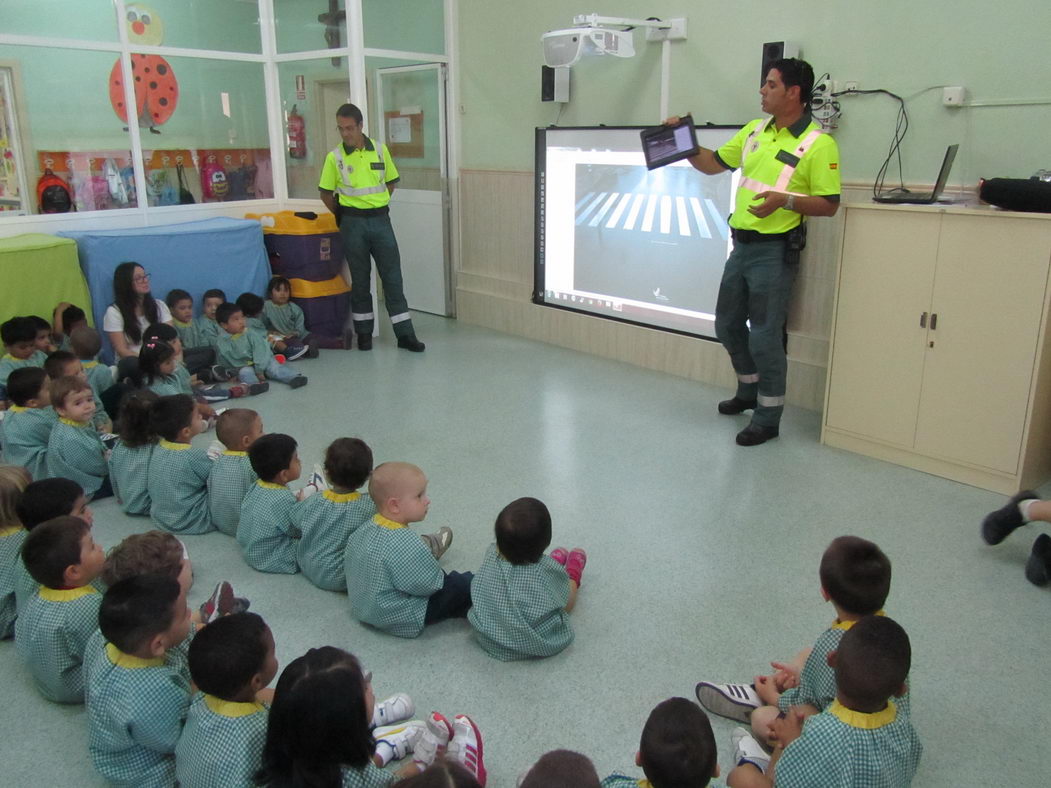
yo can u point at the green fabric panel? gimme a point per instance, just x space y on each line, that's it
37 272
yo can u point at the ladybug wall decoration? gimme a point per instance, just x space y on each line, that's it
156 89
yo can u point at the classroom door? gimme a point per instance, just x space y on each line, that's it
410 119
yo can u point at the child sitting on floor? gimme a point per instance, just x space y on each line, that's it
231 661
267 532
43 341
62 363
129 460
232 476
252 307
862 738
207 328
327 520
13 482
66 319
562 769
248 353
74 450
137 700
284 317
19 338
54 627
85 343
521 598
29 420
178 477
180 304
393 580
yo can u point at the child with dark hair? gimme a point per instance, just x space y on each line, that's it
74 449
327 520
29 420
180 303
43 341
53 628
562 769
41 501
206 325
157 369
129 460
283 317
62 363
394 582
252 307
862 738
85 343
13 481
268 532
232 476
231 661
19 337
137 699
248 352
66 319
855 578
521 598
677 748
168 375
178 477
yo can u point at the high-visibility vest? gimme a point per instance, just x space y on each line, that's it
751 145
346 186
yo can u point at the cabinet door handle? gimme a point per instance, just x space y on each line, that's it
934 321
923 320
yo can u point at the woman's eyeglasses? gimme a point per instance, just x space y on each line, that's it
142 278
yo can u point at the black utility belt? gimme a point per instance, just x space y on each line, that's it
756 237
349 210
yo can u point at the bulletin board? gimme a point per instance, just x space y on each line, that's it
404 135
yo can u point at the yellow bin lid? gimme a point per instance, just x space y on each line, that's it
287 223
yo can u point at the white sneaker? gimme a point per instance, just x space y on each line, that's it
466 747
735 701
215 449
439 542
747 749
435 737
394 709
394 742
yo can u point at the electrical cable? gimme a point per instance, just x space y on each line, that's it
561 109
901 128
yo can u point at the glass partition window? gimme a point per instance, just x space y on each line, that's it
304 26
226 25
311 91
83 20
404 25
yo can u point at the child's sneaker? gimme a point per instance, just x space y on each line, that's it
575 563
1038 566
435 737
747 750
295 352
213 393
734 701
439 542
560 555
297 382
394 742
312 350
466 747
258 388
998 525
237 391
219 372
394 709
215 448
220 603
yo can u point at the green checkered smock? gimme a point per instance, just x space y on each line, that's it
843 747
256 324
268 532
9 364
326 521
11 539
369 777
129 469
249 348
285 319
207 331
25 586
178 488
391 574
136 709
188 333
165 387
221 743
26 435
51 634
617 780
99 376
75 451
230 480
518 610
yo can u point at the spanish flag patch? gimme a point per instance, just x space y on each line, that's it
833 166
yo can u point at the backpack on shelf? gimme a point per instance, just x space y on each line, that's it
53 194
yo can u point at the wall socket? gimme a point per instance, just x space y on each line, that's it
677 32
953 97
844 86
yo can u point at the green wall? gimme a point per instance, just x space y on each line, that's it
996 51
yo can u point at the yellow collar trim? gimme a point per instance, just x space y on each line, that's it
271 485
859 719
386 522
229 708
8 355
235 336
336 497
89 364
845 625
11 530
122 660
180 323
65 594
230 453
18 409
74 423
167 444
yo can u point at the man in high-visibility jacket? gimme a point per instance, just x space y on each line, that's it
356 184
790 170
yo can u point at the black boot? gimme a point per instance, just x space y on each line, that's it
731 407
364 341
410 342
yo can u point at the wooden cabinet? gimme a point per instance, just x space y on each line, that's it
940 357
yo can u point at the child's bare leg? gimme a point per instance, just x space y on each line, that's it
573 589
1040 510
748 776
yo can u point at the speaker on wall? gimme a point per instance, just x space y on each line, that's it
554 84
775 50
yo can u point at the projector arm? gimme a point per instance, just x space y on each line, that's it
594 20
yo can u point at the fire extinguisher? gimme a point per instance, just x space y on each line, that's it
297 135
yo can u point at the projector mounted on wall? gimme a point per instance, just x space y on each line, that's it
592 34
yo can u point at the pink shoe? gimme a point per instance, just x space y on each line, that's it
575 564
435 738
560 555
466 747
